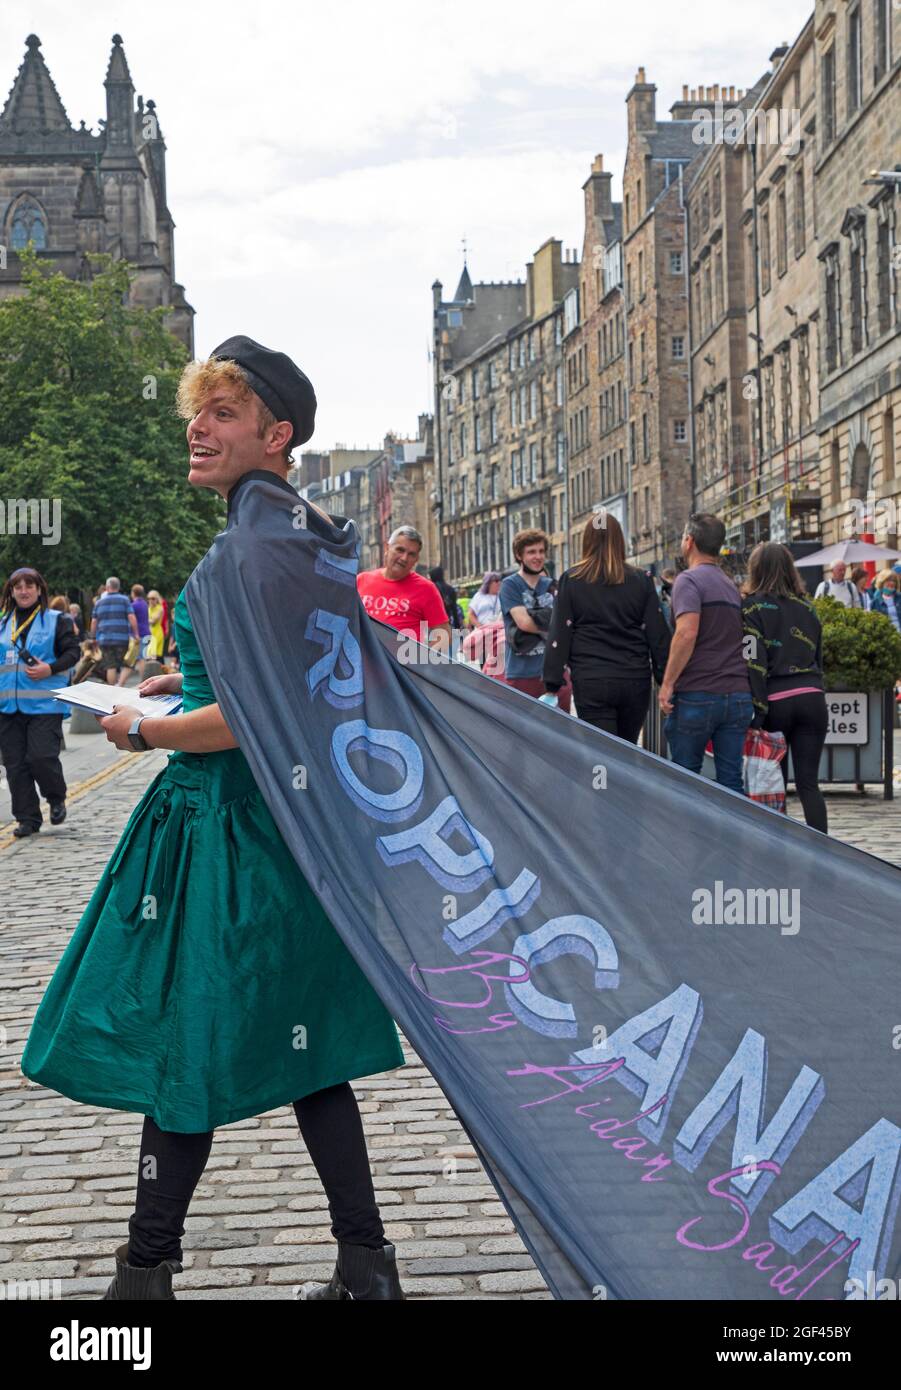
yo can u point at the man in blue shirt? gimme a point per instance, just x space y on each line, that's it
113 624
527 600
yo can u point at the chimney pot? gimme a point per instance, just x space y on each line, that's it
716 91
685 91
639 76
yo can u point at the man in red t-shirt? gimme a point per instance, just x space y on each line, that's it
397 595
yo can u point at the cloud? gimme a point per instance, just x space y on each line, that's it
324 162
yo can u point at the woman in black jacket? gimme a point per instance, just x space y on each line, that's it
608 627
786 668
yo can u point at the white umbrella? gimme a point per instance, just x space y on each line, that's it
848 553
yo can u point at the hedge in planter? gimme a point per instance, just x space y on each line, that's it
861 651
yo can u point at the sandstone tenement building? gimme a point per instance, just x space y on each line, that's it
858 229
379 489
500 405
754 311
597 394
73 192
655 253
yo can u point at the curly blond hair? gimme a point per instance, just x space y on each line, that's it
200 380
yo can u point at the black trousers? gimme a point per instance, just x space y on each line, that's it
804 721
171 1165
29 749
616 704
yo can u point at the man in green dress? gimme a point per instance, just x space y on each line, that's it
204 983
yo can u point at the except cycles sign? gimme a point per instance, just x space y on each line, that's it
847 714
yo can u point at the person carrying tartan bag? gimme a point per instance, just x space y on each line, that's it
784 643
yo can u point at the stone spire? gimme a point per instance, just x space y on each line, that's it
34 106
464 289
120 106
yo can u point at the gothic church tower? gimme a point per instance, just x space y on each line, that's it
71 192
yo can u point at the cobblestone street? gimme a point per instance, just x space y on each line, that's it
258 1226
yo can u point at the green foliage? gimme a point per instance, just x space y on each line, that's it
87 415
861 651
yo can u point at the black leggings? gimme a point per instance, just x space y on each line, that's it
171 1165
615 704
803 720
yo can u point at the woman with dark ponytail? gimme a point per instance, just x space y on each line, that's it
786 668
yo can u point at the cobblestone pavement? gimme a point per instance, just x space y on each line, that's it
258 1226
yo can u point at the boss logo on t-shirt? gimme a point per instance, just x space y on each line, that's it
379 606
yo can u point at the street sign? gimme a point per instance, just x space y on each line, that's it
847 714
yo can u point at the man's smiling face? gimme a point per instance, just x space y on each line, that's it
225 443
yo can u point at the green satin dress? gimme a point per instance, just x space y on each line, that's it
204 982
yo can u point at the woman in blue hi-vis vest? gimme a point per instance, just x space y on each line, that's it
38 646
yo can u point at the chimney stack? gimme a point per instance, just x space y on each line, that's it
641 104
598 204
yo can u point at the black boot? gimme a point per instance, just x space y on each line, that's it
362 1274
144 1285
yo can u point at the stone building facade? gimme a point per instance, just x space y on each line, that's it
72 192
858 224
398 491
754 317
780 499
378 489
655 251
500 415
594 377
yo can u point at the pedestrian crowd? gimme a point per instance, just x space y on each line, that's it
727 661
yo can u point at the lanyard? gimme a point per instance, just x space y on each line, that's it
16 632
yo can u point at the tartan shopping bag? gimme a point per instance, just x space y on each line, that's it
763 752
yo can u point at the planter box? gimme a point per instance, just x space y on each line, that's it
855 750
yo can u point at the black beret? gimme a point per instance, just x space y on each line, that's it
280 384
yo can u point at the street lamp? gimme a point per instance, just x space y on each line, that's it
885 176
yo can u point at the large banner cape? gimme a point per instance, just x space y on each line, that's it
669 1020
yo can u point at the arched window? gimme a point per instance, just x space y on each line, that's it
28 224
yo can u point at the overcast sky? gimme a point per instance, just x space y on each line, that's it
325 161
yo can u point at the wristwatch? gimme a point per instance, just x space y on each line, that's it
139 744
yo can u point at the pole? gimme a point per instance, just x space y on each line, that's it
757 316
888 745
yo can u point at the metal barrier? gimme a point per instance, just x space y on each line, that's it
652 736
854 764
